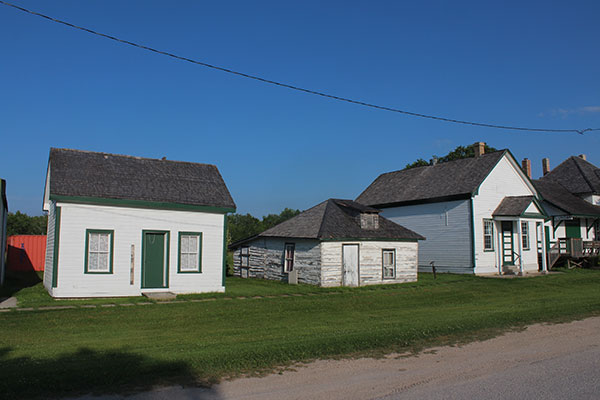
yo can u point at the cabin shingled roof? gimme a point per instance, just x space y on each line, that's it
557 195
511 206
576 175
452 179
335 219
77 173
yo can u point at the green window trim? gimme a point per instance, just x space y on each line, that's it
383 276
111 234
525 235
57 213
490 235
199 270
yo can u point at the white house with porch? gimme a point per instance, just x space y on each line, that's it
480 215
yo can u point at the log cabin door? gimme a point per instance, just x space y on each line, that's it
350 271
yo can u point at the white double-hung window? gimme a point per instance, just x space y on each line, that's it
190 252
99 251
488 235
525 235
288 257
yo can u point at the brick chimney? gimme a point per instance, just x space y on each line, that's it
479 148
545 165
583 156
526 167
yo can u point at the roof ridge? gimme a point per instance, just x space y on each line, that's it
130 156
583 174
443 163
320 231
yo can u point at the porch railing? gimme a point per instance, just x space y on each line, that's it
572 248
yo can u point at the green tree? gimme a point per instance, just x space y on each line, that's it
245 226
456 154
22 224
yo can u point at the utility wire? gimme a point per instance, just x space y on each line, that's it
297 88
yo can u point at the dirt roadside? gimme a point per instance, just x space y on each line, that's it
390 376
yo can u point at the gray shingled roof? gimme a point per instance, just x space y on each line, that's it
511 206
576 175
111 176
336 219
558 196
453 179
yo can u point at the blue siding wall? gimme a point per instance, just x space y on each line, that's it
447 230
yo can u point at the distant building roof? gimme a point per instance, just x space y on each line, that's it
452 179
336 219
577 175
87 174
558 196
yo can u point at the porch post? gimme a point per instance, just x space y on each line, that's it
499 249
520 240
544 255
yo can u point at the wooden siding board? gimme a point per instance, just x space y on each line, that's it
446 227
48 263
128 224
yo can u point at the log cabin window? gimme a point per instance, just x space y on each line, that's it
99 251
389 263
288 257
190 252
488 235
525 235
245 256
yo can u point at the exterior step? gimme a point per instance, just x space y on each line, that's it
160 296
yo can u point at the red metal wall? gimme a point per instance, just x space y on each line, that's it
26 252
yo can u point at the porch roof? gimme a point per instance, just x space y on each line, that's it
516 206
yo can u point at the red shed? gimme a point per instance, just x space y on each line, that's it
26 252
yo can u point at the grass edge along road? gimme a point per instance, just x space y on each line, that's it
108 350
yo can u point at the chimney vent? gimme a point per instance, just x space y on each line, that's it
479 148
434 161
526 166
583 156
164 158
546 165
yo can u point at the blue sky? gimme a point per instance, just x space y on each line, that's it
516 63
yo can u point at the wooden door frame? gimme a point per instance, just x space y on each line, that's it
357 262
512 242
167 246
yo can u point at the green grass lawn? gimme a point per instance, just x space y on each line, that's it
104 350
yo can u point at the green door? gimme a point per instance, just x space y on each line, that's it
155 259
572 229
507 243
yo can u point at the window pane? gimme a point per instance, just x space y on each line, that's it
103 261
93 244
193 244
103 242
93 261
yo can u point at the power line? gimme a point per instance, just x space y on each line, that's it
297 88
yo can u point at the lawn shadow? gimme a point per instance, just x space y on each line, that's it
18 280
91 372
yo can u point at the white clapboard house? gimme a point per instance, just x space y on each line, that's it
122 226
335 243
570 194
480 215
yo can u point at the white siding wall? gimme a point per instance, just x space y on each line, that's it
447 230
128 224
504 180
370 262
3 216
48 264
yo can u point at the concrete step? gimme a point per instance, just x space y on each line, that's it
160 296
